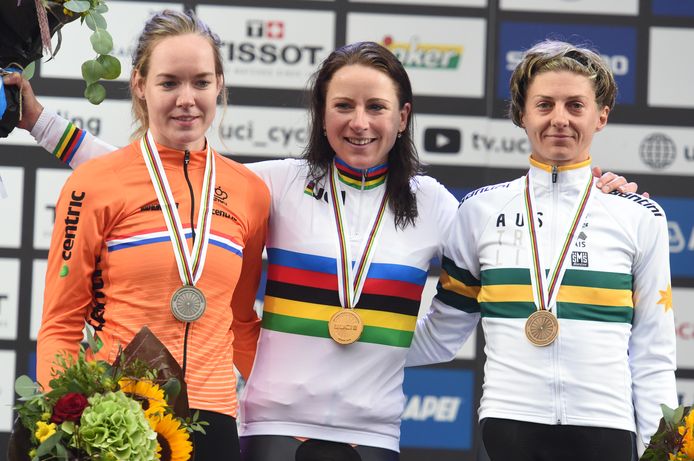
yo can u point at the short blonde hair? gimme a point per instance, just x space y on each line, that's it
554 55
165 24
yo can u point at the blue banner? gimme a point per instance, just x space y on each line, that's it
680 221
673 7
617 45
439 409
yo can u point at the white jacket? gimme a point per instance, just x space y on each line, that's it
613 363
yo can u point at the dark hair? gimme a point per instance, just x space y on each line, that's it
403 163
554 55
164 24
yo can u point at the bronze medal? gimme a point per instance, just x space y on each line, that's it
188 304
345 326
541 328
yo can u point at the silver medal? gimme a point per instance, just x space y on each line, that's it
188 304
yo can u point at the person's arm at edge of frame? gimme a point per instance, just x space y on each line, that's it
70 144
652 357
452 316
71 264
246 323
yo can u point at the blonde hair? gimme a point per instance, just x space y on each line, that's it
165 24
554 56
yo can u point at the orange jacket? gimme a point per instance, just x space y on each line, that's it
111 264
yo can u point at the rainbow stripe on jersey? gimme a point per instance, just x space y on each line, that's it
69 143
302 294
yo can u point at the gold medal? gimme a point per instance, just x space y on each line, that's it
541 328
345 326
188 304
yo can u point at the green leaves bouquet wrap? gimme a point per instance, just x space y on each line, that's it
135 409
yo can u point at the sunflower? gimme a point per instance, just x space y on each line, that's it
174 440
147 393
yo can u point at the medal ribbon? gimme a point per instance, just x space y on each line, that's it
545 290
351 280
190 265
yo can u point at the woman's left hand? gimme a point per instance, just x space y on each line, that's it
609 182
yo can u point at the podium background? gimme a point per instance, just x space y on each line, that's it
459 54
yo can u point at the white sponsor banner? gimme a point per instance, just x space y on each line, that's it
270 47
473 3
670 72
685 391
38 280
684 325
467 351
125 21
625 7
443 56
7 377
49 182
11 207
111 120
9 297
500 144
262 131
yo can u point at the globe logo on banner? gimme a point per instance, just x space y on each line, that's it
658 151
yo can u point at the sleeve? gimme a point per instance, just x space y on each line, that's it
71 145
652 356
72 261
246 324
454 311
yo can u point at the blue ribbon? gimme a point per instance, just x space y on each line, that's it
3 100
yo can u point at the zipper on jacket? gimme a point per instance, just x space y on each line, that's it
186 161
554 188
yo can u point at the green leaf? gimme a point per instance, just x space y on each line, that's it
48 444
111 66
77 6
61 451
25 387
95 21
678 415
172 388
101 41
29 70
68 427
95 93
668 414
101 8
92 71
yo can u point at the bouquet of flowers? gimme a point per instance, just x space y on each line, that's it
674 439
97 411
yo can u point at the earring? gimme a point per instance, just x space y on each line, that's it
325 133
399 134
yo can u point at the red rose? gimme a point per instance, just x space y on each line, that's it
69 407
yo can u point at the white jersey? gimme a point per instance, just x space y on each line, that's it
304 383
613 362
